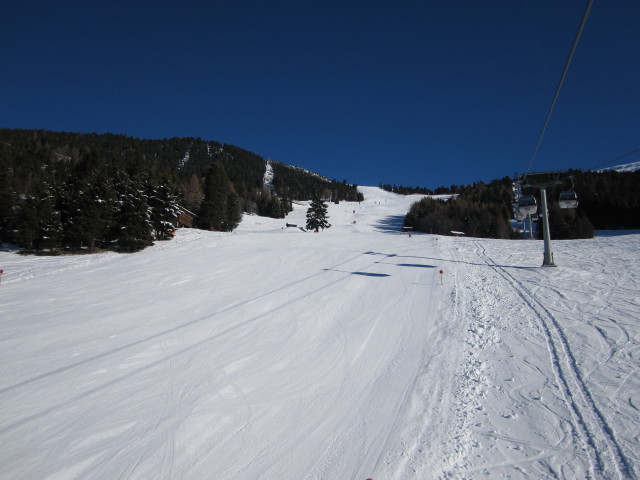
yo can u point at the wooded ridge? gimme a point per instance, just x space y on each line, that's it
77 191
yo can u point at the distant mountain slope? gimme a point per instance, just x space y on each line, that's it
626 167
28 152
72 189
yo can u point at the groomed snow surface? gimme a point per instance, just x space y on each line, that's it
271 353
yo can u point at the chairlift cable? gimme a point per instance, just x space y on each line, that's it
564 74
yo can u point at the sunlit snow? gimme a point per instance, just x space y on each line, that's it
271 353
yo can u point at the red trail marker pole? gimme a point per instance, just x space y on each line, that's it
441 272
1 272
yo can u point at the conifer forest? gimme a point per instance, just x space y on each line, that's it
76 192
73 192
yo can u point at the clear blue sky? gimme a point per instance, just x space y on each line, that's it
422 93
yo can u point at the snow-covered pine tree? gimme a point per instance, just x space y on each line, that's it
163 209
317 215
87 204
133 230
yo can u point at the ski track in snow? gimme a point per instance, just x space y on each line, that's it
273 353
598 437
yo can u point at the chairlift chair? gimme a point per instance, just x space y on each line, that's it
568 199
527 205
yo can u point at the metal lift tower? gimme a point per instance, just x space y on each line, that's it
543 180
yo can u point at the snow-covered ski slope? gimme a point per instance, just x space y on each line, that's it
271 353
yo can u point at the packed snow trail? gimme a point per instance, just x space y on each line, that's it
273 353
549 384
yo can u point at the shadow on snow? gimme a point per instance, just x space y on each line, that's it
392 255
364 274
390 224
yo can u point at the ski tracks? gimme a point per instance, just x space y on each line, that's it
606 457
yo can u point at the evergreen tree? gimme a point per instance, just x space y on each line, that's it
163 210
213 210
50 223
317 215
8 199
132 229
234 211
38 223
87 208
26 222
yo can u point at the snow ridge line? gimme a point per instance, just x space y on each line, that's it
597 419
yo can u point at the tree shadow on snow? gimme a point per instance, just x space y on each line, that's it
390 224
413 265
394 255
417 265
364 274
368 274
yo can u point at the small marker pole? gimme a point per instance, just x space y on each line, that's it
441 272
1 272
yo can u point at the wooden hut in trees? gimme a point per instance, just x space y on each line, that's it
185 218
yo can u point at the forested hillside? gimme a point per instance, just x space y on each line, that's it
73 191
607 200
480 210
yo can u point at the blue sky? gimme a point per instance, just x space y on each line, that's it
407 92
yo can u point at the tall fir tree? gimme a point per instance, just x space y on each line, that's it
317 215
213 209
87 208
8 199
50 222
38 223
132 229
163 209
234 211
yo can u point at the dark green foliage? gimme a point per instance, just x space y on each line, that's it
566 224
610 200
220 208
607 200
90 178
163 209
317 215
245 169
271 205
37 222
27 223
482 210
402 190
296 183
87 201
83 200
8 196
406 190
61 190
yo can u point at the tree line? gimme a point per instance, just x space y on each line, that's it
480 210
96 207
607 200
402 190
73 191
